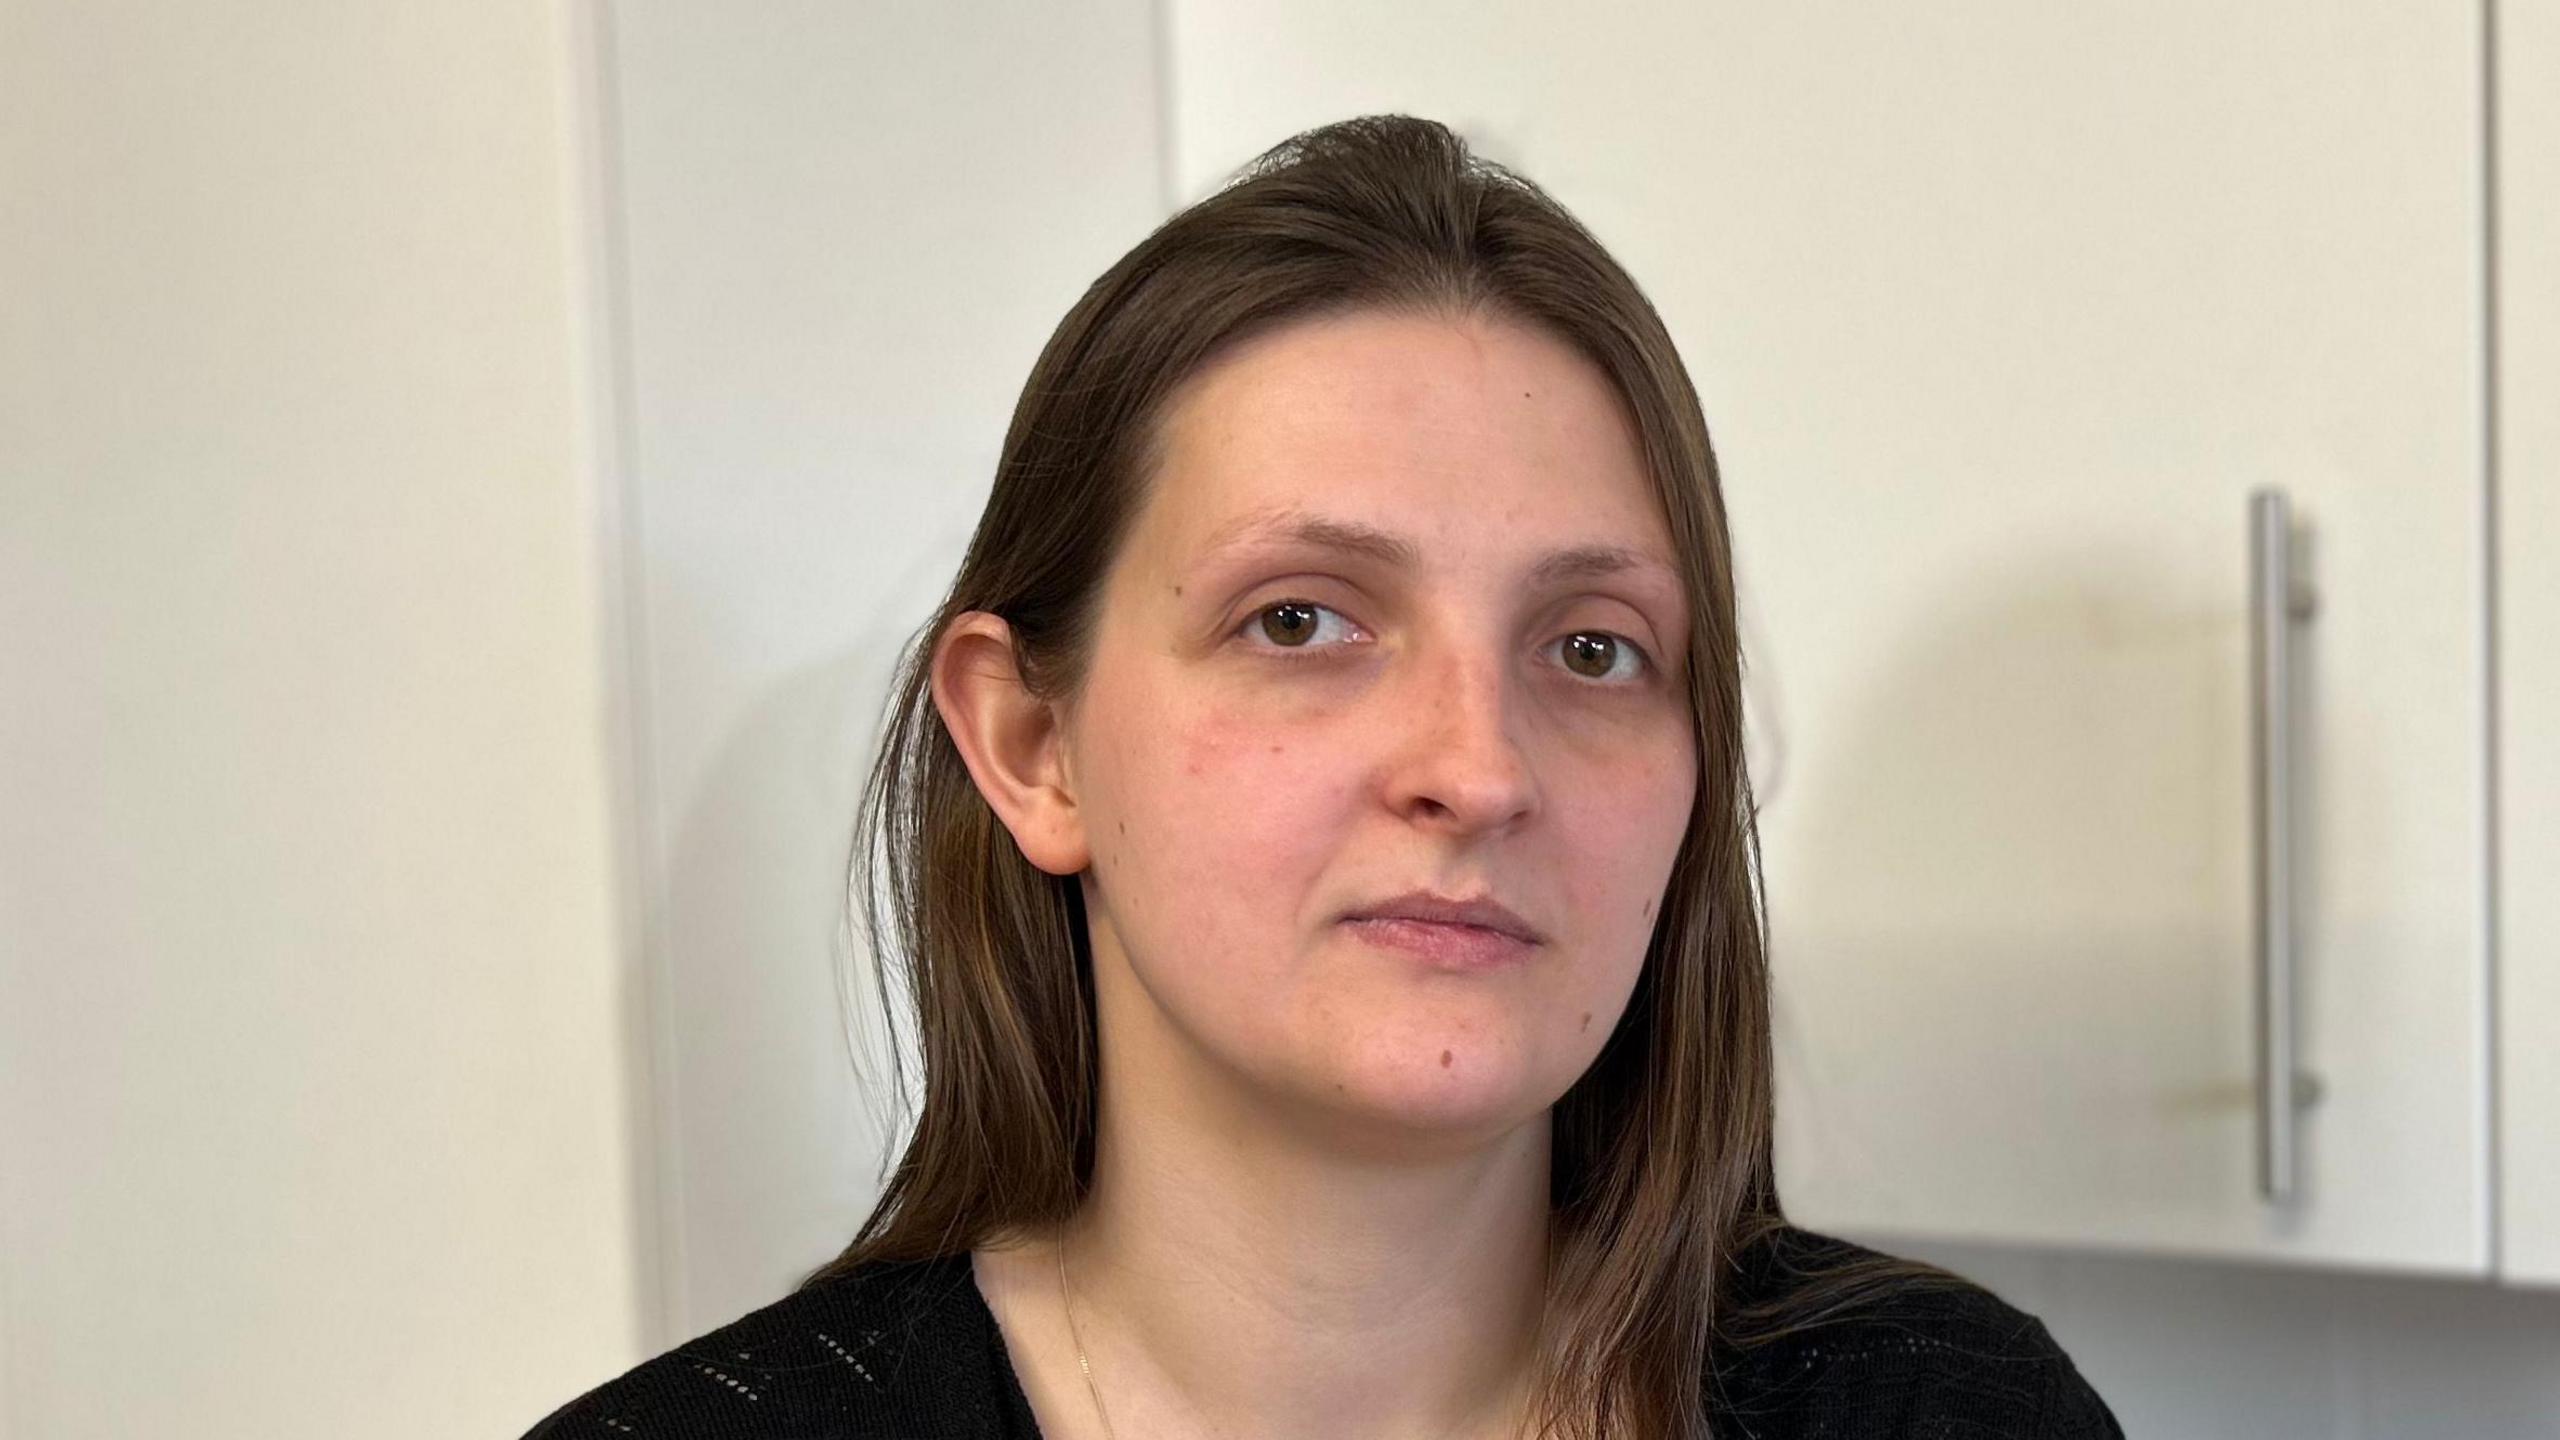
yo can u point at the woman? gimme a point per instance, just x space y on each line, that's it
1326 870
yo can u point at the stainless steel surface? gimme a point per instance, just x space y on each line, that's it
2276 605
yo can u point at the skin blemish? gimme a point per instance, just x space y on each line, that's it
1445 1057
1586 1019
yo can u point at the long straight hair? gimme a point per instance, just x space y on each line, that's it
1662 1165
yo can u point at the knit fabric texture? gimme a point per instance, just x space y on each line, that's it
912 1352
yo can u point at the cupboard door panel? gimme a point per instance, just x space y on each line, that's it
2528 528
2000 313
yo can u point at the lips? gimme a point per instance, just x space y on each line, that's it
1443 945
1482 911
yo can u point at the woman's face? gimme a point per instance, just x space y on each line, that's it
1450 719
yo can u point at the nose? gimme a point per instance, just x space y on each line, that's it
1460 767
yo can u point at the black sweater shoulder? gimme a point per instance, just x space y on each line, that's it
911 1351
1938 1357
902 1350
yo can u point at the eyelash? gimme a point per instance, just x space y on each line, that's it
1298 653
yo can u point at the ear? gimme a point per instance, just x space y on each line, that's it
1011 740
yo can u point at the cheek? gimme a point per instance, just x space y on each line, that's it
1624 826
1225 822
1226 777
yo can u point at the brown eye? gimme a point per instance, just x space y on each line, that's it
1290 622
1591 653
1295 629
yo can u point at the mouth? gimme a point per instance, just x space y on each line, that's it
1446 944
1464 934
1481 912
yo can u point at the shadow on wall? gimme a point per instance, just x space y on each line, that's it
776 1143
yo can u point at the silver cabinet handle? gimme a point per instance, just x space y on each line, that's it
2276 605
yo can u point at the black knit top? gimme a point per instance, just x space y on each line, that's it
911 1351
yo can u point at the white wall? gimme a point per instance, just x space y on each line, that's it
313 1103
850 228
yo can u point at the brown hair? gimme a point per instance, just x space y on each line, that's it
1663 1172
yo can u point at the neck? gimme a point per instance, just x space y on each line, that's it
1242 1270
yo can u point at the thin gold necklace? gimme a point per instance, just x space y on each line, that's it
1067 1298
1081 1363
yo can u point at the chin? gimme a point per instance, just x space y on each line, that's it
1438 1106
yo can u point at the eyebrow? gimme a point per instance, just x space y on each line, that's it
1291 526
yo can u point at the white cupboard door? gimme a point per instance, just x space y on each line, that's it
2528 530
2000 312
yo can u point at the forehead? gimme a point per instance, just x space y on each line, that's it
1418 422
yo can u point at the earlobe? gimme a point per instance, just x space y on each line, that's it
1010 740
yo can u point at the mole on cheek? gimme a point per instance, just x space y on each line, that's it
1444 1059
1586 1019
